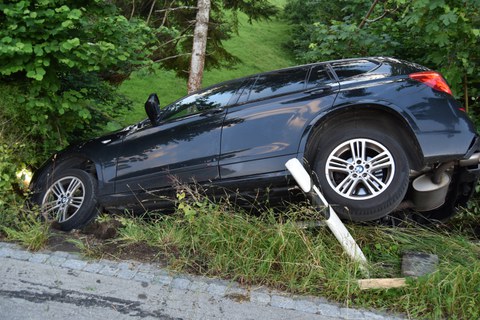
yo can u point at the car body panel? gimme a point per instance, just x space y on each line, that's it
188 148
268 129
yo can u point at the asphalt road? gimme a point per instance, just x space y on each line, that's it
60 285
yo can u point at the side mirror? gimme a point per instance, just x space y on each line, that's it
152 108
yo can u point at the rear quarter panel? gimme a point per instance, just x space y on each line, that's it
443 132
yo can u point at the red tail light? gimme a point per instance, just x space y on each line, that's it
433 80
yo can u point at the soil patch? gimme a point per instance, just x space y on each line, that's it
96 240
138 251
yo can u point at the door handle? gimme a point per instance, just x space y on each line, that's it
213 111
318 90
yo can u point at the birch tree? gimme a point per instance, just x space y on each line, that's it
197 62
175 22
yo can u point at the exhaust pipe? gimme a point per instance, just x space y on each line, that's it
473 160
430 189
429 195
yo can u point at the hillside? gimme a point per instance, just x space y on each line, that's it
258 45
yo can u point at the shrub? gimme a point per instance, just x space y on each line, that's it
60 55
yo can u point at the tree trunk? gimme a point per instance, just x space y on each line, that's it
199 46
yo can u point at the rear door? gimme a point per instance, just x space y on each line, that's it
263 130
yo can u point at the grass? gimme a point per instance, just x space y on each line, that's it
270 249
27 230
259 47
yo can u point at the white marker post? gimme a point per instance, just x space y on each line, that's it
333 221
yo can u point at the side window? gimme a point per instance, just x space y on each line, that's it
277 83
347 69
319 75
210 98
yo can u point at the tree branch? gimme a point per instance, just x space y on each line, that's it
151 10
182 36
173 57
177 8
166 13
360 26
385 12
133 10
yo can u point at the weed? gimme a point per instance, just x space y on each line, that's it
28 230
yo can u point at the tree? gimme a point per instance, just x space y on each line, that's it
443 35
64 55
174 23
199 46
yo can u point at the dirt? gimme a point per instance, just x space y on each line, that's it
96 241
138 251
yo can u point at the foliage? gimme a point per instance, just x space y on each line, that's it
15 222
174 24
12 149
59 53
443 35
28 230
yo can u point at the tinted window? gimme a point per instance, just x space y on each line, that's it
318 76
349 69
278 82
210 98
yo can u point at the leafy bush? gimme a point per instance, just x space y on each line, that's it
12 148
443 35
59 53
15 222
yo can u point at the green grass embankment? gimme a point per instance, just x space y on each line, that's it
259 46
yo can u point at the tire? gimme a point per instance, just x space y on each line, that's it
365 185
69 198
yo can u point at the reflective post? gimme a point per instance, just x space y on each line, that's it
333 221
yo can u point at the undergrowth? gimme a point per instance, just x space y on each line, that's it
16 223
272 249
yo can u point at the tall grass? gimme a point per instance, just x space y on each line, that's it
271 249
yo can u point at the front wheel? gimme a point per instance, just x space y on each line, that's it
362 170
70 199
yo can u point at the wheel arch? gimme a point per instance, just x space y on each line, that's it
392 122
78 161
70 161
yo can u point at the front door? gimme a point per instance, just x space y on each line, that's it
184 147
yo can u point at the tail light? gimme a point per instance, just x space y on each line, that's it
433 80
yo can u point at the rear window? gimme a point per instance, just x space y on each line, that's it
348 69
278 82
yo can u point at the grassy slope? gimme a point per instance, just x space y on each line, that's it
258 45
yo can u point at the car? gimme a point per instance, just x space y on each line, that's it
378 135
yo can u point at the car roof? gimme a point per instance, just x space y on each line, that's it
371 59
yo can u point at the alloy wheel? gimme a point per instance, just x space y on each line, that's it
63 199
360 169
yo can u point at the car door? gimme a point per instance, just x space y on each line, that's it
185 146
263 130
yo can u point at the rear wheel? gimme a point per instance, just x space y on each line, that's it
70 199
362 170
